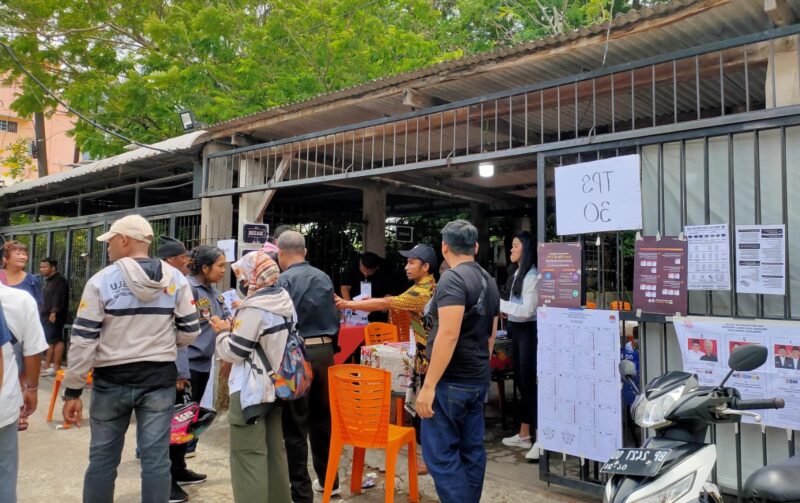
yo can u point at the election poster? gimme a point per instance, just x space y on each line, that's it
709 257
761 259
659 276
707 344
559 274
599 196
580 411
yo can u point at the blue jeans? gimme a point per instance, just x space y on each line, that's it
9 462
452 441
110 413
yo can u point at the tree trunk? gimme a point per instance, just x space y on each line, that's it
41 145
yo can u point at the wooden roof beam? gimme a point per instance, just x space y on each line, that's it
779 12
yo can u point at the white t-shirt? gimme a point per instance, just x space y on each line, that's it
22 317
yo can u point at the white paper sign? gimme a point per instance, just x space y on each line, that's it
761 259
228 246
709 257
230 296
599 196
579 397
707 343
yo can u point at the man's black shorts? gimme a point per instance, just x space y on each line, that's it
53 333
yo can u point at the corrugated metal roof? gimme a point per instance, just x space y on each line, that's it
177 145
618 25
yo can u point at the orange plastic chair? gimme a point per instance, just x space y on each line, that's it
360 402
619 305
378 333
56 387
402 320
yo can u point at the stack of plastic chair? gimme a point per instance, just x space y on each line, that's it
360 402
402 320
379 333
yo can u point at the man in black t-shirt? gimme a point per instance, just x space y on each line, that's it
464 308
369 268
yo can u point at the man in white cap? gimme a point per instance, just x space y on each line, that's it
132 317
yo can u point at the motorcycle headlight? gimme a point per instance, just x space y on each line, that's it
652 413
672 492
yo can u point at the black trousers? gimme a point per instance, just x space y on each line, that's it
524 339
309 418
177 453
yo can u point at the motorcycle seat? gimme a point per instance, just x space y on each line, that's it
775 483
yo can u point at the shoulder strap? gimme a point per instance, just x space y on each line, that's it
478 306
264 359
290 326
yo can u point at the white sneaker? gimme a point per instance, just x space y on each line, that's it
48 372
534 453
318 487
517 441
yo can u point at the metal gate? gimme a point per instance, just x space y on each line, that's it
72 241
736 175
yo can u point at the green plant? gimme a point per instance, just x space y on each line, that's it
16 160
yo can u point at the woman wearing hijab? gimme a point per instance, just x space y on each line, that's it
521 311
260 327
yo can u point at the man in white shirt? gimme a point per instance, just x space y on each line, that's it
796 357
695 353
19 317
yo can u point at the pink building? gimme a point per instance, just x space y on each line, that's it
60 147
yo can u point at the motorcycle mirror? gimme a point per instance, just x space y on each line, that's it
627 369
748 358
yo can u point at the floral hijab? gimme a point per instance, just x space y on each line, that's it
256 270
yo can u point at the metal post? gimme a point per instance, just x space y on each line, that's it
541 194
738 430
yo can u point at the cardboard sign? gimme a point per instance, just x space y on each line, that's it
255 233
659 276
559 274
599 196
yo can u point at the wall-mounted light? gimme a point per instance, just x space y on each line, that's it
486 169
188 120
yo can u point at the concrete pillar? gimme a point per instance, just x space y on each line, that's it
521 224
479 216
216 213
251 172
374 215
216 222
787 73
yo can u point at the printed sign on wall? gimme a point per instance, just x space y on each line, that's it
659 276
559 274
599 196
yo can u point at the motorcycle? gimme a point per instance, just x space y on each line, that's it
674 465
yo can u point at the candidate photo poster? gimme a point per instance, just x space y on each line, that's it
659 276
707 344
579 401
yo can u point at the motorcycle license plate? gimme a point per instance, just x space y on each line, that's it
636 462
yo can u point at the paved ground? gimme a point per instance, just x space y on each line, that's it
52 463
